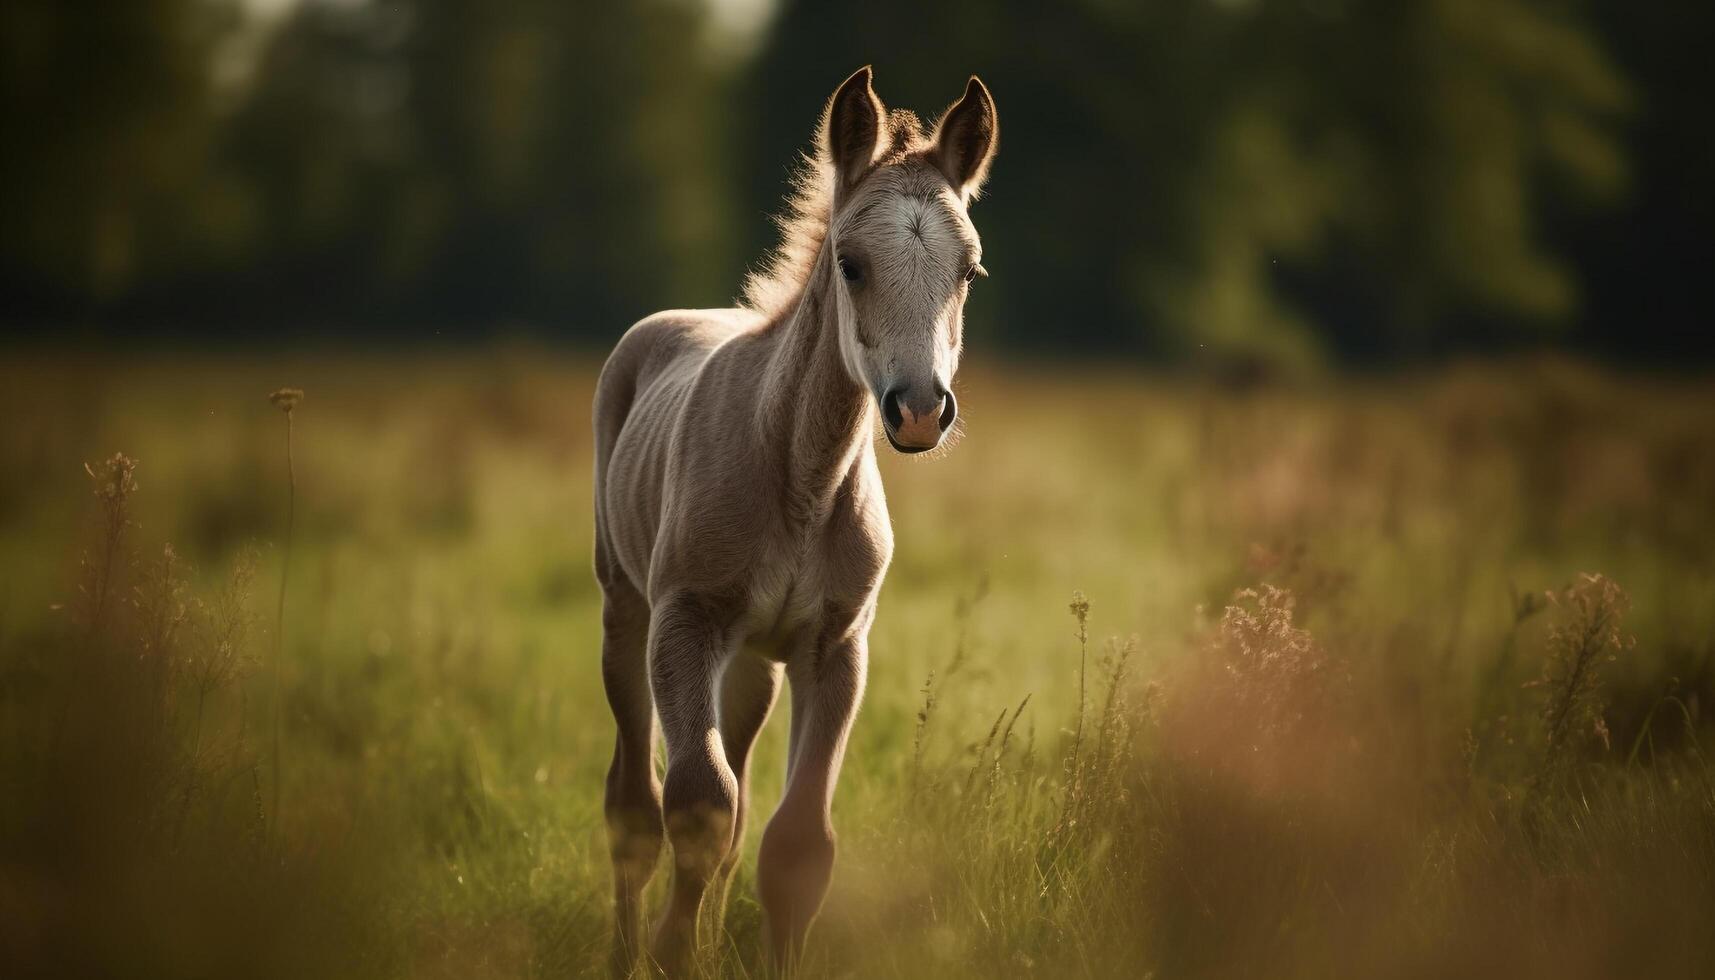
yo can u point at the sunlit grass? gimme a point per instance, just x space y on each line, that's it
1341 729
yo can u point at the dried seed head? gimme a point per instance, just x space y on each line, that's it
1080 608
1589 630
286 399
115 479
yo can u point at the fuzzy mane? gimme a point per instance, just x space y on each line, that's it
773 289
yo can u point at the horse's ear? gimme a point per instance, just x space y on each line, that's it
852 130
965 139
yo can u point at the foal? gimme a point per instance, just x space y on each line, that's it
741 531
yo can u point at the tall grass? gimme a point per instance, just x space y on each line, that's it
134 839
1262 811
1329 739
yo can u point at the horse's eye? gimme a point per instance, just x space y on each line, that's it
974 271
850 270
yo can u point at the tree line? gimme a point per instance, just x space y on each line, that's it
1222 181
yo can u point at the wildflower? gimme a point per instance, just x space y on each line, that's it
1588 633
286 399
1273 666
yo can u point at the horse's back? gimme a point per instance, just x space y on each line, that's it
661 345
657 343
638 400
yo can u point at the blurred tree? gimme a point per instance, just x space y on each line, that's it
109 112
1239 180
1647 265
444 162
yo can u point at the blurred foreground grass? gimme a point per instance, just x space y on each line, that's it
1364 718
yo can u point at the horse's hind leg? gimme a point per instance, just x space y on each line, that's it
633 805
748 688
687 645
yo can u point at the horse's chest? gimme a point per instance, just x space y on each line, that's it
800 583
787 590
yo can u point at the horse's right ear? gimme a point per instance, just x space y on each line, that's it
852 129
965 139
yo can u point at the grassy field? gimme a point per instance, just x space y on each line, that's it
1404 676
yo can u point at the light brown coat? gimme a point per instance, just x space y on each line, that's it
741 528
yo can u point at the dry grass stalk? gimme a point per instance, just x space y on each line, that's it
286 400
1586 635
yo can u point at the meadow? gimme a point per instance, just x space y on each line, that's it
1402 675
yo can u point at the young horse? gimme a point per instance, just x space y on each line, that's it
741 532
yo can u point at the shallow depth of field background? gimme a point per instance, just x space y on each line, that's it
1322 584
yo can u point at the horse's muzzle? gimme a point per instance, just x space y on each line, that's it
915 425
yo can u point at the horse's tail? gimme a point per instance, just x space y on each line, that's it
614 393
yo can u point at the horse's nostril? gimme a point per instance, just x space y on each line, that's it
890 410
949 411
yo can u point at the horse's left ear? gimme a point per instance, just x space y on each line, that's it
966 138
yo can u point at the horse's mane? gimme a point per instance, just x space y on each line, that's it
773 288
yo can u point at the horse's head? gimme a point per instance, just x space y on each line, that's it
904 251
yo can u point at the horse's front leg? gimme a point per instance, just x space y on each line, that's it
797 857
689 639
748 687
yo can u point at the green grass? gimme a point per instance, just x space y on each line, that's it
1346 772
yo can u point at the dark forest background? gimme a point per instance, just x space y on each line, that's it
1223 182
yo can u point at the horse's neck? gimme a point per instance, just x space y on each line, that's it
812 407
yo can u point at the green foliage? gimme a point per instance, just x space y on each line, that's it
110 114
1226 182
1240 180
526 159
